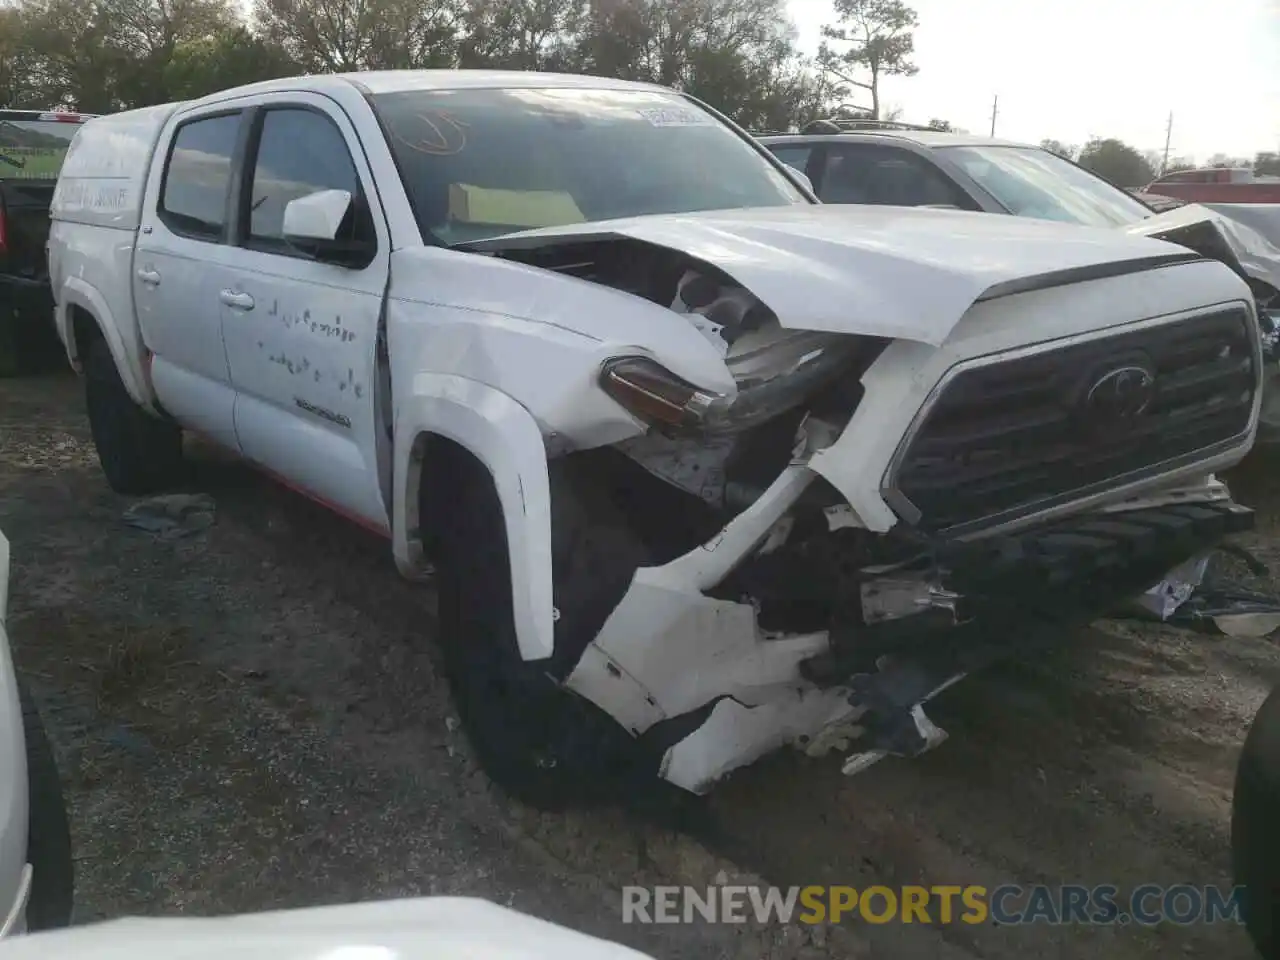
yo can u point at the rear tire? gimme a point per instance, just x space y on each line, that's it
1255 828
48 833
541 744
139 453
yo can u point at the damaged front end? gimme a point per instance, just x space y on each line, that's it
809 558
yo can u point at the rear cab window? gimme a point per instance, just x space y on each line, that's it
197 176
33 146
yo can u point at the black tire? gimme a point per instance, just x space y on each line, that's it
541 744
48 832
139 453
1255 828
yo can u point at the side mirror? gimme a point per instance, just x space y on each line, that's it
801 177
320 225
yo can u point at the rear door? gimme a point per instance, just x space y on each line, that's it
301 333
181 245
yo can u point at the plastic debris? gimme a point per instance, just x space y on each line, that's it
1189 597
172 516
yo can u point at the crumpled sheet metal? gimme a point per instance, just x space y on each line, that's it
1186 598
172 516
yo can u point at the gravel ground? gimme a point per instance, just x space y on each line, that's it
253 718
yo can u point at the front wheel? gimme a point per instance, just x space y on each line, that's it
541 744
139 453
1255 828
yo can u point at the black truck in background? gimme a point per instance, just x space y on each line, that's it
32 147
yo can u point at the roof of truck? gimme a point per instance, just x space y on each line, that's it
397 81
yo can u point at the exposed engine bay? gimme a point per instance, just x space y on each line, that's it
726 468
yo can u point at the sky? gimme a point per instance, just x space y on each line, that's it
1075 69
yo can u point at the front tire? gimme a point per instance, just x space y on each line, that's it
139 453
1255 828
541 744
48 833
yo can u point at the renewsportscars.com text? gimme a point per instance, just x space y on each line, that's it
1010 904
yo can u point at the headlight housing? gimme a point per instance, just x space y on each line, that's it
775 369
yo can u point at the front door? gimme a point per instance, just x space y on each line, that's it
300 333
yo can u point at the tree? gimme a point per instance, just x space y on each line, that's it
1224 161
1267 164
943 125
1069 151
1178 164
345 35
881 39
1116 161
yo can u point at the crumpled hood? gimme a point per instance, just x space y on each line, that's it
897 272
425 928
1257 255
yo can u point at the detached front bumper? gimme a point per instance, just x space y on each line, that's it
825 642
991 596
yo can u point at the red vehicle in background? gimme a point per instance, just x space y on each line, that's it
1217 185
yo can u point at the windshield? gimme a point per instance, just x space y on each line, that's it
480 163
1036 183
33 149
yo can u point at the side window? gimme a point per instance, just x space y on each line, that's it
193 200
868 173
795 155
300 152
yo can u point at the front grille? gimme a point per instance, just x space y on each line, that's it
1011 437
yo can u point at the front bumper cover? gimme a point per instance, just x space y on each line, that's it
1012 595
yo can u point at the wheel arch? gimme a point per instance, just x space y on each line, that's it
449 416
83 314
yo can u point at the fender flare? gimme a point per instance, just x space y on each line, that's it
504 436
77 293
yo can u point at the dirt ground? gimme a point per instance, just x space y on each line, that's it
253 718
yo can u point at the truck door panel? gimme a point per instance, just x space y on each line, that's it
300 334
175 275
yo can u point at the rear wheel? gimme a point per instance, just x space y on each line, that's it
48 833
139 453
541 744
1255 828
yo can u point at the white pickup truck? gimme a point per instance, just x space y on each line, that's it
705 468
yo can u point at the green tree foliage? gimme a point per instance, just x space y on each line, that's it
1069 151
874 39
1267 164
103 55
1116 161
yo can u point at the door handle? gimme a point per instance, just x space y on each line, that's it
148 276
241 301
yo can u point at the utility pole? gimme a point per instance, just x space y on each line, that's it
995 109
1168 135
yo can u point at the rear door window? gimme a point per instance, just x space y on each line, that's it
794 155
193 199
874 174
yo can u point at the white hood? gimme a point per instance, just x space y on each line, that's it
1258 255
903 273
429 928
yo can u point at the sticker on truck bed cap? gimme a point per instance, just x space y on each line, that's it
675 117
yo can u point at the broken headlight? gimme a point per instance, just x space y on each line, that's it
775 369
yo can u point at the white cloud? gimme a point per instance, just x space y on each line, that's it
1071 70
